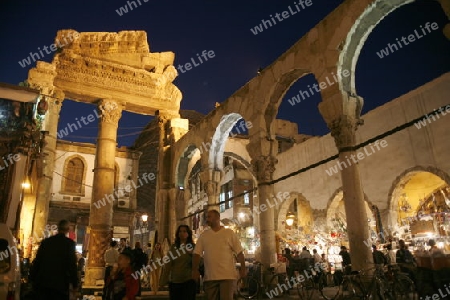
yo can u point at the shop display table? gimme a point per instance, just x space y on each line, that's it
432 274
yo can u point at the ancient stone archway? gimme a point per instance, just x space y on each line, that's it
327 50
396 190
304 210
280 89
219 140
115 71
184 165
335 203
374 13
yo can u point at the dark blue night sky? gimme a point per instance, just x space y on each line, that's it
189 27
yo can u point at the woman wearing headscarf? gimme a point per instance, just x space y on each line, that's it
178 272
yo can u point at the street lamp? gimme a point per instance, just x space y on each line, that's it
290 219
144 217
144 227
26 184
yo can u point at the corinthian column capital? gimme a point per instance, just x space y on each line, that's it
110 110
343 131
264 166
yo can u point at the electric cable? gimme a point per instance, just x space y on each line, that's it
333 157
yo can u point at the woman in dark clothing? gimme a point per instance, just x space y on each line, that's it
178 272
406 260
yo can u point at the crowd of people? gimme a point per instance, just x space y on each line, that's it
297 262
56 271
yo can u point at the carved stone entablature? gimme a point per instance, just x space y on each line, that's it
42 76
102 65
42 80
264 167
110 111
125 47
97 73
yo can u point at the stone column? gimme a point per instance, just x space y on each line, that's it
343 130
135 155
172 214
264 167
44 186
100 220
162 213
161 181
211 179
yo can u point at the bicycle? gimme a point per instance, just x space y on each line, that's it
253 287
401 285
311 281
362 285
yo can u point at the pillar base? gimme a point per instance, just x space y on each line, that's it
93 274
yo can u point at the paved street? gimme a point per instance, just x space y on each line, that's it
293 295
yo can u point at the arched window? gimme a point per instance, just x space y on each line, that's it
73 176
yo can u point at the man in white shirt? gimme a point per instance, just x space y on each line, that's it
218 245
111 257
305 253
317 257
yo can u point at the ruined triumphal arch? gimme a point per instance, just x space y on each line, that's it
116 72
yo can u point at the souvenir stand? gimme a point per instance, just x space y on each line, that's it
432 222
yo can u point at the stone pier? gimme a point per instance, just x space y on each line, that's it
100 220
357 225
264 167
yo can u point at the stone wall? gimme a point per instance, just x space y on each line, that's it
406 149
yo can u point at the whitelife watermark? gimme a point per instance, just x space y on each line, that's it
284 287
124 9
49 230
281 16
121 192
391 48
53 47
264 206
162 261
356 158
317 88
73 127
380 236
188 66
422 123
9 160
439 295
243 125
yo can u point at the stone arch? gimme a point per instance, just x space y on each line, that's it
182 168
241 160
403 178
221 134
302 204
357 36
64 177
334 202
280 89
